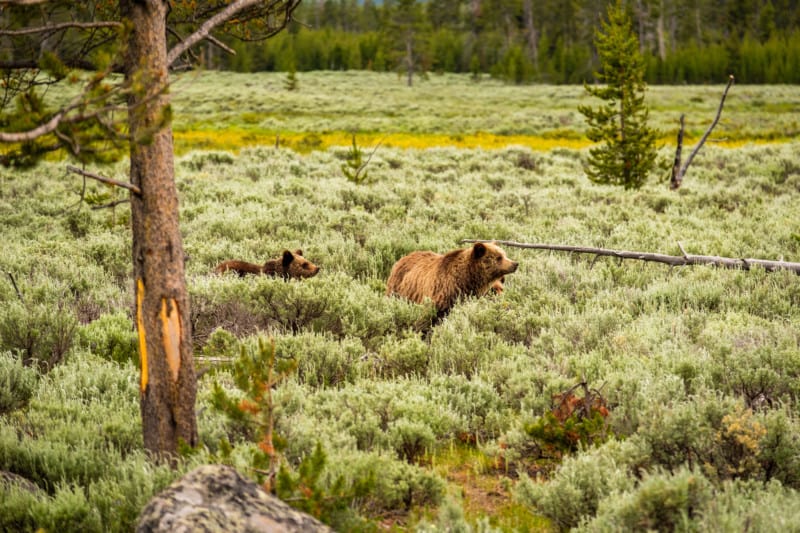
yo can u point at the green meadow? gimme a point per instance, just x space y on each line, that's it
592 394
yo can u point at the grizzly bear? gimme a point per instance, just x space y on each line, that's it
446 278
289 265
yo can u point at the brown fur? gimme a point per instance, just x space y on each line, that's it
497 286
289 265
446 278
240 267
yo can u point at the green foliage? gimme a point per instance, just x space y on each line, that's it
760 46
255 372
291 83
354 165
328 501
396 485
39 333
17 383
412 439
575 491
559 436
112 337
628 151
67 510
79 440
661 502
514 66
221 343
322 361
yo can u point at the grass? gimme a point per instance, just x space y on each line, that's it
485 490
691 361
232 111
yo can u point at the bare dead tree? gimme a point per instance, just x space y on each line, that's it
671 260
679 171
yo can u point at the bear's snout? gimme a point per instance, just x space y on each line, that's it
514 266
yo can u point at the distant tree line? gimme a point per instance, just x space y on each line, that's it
523 41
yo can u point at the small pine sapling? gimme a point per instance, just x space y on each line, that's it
291 83
354 165
255 373
307 490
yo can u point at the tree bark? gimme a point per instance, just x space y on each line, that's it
168 388
410 58
531 35
662 46
677 176
672 260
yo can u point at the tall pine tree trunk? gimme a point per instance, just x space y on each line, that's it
168 385
531 35
410 57
662 46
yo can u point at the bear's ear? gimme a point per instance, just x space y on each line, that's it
288 257
479 250
298 252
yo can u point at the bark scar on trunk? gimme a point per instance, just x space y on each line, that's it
171 334
140 327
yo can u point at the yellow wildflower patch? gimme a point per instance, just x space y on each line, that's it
235 139
231 139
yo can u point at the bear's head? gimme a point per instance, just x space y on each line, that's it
491 261
296 266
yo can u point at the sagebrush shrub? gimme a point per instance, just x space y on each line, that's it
112 337
40 334
322 361
17 383
661 502
397 484
576 489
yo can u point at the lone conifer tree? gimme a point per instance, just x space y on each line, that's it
628 151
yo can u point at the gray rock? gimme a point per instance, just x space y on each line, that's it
217 498
10 479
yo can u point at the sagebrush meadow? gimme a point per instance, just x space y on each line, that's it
694 372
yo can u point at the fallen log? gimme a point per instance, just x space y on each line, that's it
672 260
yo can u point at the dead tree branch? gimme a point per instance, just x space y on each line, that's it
16 289
672 260
63 26
22 2
205 29
130 186
677 171
111 205
677 175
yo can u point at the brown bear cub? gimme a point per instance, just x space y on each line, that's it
497 286
289 265
446 278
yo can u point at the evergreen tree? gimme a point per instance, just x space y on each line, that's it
628 151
